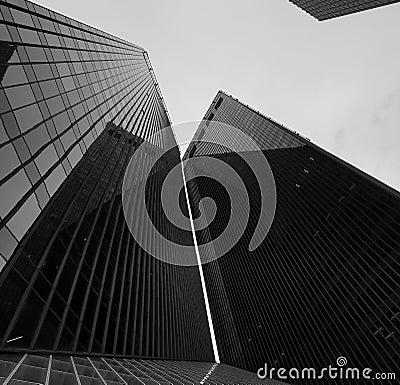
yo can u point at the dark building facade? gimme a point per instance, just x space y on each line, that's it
329 9
75 105
80 282
324 282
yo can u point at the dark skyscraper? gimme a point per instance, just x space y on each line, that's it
328 9
75 280
79 281
79 297
324 282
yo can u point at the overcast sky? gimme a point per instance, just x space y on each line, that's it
336 82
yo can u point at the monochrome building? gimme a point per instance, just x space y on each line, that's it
81 302
329 9
324 282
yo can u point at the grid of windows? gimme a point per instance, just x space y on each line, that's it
61 81
328 9
324 282
79 282
75 105
76 370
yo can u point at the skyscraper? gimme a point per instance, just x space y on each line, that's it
324 281
329 9
81 301
76 104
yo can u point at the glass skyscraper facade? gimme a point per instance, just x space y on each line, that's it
81 301
329 9
324 281
75 105
80 282
61 83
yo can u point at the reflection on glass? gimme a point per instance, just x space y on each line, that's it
14 75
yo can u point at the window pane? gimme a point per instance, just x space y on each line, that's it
14 75
12 191
75 156
52 40
24 218
55 180
8 160
46 159
4 35
58 54
22 17
7 242
61 122
63 69
68 83
28 117
20 96
55 105
42 71
36 54
47 24
49 88
29 36
37 138
68 138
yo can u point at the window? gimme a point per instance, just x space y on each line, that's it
49 88
218 103
8 160
46 159
24 217
7 242
36 54
55 105
14 75
68 83
12 191
21 17
29 36
209 118
63 69
75 155
28 117
20 96
42 71
37 138
55 179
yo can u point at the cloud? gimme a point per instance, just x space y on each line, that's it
369 137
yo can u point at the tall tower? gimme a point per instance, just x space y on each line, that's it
76 104
80 300
329 9
324 281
